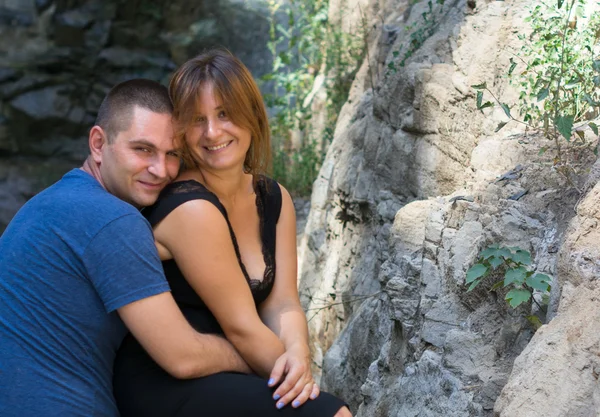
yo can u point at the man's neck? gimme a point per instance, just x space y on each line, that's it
93 169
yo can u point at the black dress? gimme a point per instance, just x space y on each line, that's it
144 389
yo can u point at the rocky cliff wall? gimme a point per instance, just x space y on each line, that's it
414 185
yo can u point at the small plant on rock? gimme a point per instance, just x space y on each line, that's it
557 72
517 275
419 33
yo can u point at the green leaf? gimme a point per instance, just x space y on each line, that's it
540 282
500 126
506 109
395 54
492 250
522 256
495 262
542 151
560 3
284 31
473 285
514 276
486 105
513 64
545 92
505 253
479 99
476 271
572 83
535 321
517 296
564 124
594 127
591 101
481 86
496 286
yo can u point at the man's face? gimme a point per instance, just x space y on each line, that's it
142 160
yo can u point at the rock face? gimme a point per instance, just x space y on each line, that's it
59 59
414 185
557 373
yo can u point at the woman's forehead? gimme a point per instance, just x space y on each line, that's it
208 97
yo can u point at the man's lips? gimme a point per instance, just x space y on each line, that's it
152 185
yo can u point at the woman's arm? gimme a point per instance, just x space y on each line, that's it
283 313
197 236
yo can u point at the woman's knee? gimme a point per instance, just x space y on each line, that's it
344 412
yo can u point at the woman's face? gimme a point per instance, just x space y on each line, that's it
215 141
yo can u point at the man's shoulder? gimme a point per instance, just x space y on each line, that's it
80 194
78 205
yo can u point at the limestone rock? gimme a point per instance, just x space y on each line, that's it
557 373
410 140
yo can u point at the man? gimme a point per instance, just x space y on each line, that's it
79 257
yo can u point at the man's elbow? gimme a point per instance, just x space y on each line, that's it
184 369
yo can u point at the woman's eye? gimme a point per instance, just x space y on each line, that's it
222 114
199 119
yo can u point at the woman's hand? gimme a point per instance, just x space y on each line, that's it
297 383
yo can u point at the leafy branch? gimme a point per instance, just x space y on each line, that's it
515 263
558 72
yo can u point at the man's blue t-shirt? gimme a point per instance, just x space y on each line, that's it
70 257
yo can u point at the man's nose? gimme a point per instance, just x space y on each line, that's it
158 168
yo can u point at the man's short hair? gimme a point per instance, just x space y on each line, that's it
116 110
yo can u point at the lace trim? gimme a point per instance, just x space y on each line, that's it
264 285
260 287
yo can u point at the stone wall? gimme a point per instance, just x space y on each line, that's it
414 185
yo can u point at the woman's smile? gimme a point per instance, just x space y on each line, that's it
216 148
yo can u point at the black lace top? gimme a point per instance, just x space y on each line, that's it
268 204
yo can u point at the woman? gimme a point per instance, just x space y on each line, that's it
227 238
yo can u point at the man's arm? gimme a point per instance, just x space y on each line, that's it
160 327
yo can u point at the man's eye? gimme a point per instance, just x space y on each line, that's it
145 150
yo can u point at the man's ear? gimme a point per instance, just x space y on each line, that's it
97 141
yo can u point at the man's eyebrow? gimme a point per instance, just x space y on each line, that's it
143 142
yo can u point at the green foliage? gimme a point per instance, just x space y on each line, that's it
305 163
308 44
557 71
515 262
556 77
419 33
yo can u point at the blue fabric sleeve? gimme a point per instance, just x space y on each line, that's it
123 264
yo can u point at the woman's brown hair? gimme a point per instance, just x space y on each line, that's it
241 98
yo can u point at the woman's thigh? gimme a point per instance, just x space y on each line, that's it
157 394
230 394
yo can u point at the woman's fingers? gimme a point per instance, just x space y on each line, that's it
277 371
290 387
316 390
304 395
295 392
